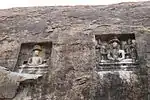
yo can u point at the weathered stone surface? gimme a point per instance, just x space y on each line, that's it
72 30
9 82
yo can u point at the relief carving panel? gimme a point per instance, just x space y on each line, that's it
116 50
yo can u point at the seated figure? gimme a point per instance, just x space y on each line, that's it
115 54
35 63
35 59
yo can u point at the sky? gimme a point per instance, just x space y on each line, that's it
4 4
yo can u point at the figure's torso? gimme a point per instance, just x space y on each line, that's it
35 60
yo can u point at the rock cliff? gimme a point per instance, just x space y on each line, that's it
72 30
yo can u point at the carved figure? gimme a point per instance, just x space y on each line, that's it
104 52
128 49
115 53
123 52
36 59
98 47
123 45
35 64
133 51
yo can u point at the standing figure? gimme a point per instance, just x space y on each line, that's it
133 51
115 54
104 52
128 49
98 47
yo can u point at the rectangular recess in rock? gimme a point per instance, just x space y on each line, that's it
116 51
34 56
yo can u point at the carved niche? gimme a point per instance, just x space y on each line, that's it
116 50
34 58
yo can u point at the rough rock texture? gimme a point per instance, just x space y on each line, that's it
9 82
72 32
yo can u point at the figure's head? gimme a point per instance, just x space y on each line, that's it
115 44
133 42
114 40
124 42
37 50
36 53
103 46
129 41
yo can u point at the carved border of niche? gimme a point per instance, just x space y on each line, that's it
25 52
107 48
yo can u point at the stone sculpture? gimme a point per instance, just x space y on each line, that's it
35 59
104 52
115 53
35 64
128 48
98 47
133 51
115 50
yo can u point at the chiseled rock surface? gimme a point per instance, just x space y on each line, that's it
9 82
67 24
71 29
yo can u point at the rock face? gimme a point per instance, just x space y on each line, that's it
71 72
9 82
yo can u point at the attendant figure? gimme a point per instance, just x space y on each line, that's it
98 47
133 51
104 52
128 49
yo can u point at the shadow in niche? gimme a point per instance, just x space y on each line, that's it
107 37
